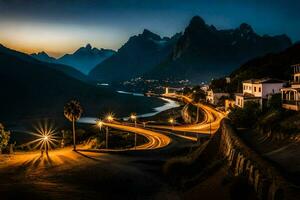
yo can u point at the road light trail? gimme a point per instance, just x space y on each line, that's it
155 140
209 125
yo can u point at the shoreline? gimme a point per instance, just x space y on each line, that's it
170 104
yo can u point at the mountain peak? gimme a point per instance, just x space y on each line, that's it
197 21
42 53
244 27
88 46
146 31
148 34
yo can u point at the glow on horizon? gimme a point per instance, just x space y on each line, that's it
57 39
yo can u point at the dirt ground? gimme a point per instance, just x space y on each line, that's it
65 174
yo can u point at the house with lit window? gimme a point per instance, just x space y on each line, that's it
258 90
214 97
291 96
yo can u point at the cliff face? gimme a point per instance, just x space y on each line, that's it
137 56
204 52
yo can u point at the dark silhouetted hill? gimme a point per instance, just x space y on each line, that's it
32 89
273 65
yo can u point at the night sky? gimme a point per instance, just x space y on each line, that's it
61 26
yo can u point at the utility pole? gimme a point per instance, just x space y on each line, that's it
106 141
135 135
197 118
210 127
134 117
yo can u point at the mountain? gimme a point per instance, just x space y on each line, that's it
272 65
43 56
204 52
86 58
275 65
137 56
70 71
31 89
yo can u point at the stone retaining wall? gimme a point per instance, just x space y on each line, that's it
243 161
281 136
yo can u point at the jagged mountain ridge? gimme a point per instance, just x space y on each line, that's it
137 56
204 52
83 59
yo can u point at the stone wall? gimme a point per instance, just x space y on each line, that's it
243 161
280 136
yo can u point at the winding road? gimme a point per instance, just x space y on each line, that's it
209 125
67 174
155 139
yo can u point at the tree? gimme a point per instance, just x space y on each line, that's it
72 112
245 117
274 102
4 137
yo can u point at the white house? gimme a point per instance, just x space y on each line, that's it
258 90
205 88
214 97
291 96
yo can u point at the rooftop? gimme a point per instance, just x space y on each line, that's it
291 89
263 80
247 96
296 65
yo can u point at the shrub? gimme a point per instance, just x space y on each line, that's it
245 117
4 137
274 102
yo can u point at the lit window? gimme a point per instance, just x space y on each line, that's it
259 89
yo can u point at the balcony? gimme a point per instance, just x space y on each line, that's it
291 102
291 105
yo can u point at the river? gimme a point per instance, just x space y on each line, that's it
168 105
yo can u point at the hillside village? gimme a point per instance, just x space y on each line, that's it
259 91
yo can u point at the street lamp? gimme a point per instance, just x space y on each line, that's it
210 126
46 142
133 117
46 137
172 121
100 123
109 118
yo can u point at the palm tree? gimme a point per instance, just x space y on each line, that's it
72 112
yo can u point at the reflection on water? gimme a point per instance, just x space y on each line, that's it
168 105
132 93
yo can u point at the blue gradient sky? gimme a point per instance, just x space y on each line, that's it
61 26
